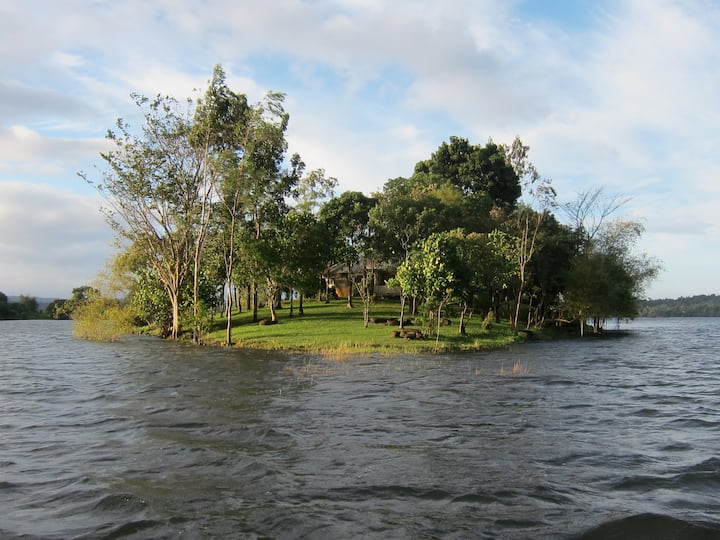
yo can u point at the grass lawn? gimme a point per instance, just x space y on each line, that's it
334 329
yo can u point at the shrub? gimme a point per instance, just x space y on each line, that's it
102 319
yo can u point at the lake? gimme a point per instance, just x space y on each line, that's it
616 437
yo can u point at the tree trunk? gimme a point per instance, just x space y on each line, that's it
351 284
272 293
175 303
402 310
301 309
437 333
228 314
196 294
461 329
516 319
367 295
255 301
529 315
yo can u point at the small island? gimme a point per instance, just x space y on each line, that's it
221 230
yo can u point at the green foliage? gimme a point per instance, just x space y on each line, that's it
313 190
25 308
607 278
56 310
63 309
475 169
102 319
347 219
150 300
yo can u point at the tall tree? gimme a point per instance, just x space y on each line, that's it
475 169
347 218
306 252
219 129
158 183
591 210
549 270
608 278
252 157
150 192
268 187
528 217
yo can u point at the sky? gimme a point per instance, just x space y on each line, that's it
618 94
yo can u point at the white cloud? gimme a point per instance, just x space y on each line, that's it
627 100
21 101
51 241
27 153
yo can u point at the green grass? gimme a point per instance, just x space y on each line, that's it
337 331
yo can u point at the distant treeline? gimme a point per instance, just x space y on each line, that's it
29 307
704 305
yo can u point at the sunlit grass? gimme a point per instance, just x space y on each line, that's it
338 332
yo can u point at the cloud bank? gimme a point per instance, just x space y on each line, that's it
621 93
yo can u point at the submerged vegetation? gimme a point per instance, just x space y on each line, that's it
211 213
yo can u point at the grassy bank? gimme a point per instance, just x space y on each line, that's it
335 330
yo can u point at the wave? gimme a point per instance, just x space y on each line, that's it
652 527
701 477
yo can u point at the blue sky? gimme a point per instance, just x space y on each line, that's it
620 93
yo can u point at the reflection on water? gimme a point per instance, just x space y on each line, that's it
150 439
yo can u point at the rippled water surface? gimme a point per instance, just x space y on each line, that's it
595 438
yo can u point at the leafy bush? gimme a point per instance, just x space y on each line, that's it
102 319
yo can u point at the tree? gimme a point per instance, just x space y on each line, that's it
529 216
313 190
607 278
267 187
591 210
5 308
158 184
347 218
475 169
402 217
251 158
218 129
80 295
152 194
306 252
432 272
54 309
549 270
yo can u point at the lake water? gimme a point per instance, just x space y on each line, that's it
594 438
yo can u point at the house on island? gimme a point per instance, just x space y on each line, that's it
340 277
